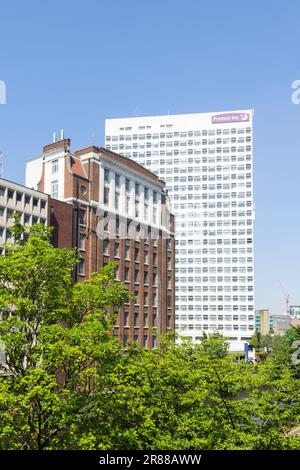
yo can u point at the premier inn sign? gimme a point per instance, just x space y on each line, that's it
227 118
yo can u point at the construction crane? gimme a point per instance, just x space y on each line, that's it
286 298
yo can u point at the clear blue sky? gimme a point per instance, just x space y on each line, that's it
70 64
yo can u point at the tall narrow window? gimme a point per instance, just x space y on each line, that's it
106 196
127 204
54 189
137 208
81 267
117 181
82 217
105 247
117 200
82 241
106 176
155 215
146 194
54 166
117 249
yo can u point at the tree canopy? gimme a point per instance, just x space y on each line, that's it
67 383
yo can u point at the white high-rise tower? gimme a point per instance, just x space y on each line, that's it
206 161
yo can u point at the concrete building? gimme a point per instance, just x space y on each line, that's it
33 207
295 311
119 212
206 161
264 321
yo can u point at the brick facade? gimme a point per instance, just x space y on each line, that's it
145 264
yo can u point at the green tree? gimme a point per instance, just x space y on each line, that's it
57 339
184 397
68 384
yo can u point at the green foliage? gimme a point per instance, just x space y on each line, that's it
57 339
68 383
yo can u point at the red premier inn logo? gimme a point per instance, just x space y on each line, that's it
230 117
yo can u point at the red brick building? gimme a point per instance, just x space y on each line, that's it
116 210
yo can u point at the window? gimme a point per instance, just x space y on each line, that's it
127 273
137 208
82 241
117 181
106 195
126 318
43 204
19 197
10 194
146 212
127 204
117 200
54 166
27 199
117 249
105 247
10 214
8 235
2 209
81 267
127 252
54 189
26 219
36 202
137 189
154 215
2 191
81 217
83 190
127 185
106 176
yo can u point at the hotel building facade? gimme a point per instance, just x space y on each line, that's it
119 211
206 161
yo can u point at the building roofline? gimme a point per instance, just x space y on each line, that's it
121 159
141 168
33 159
23 186
180 114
